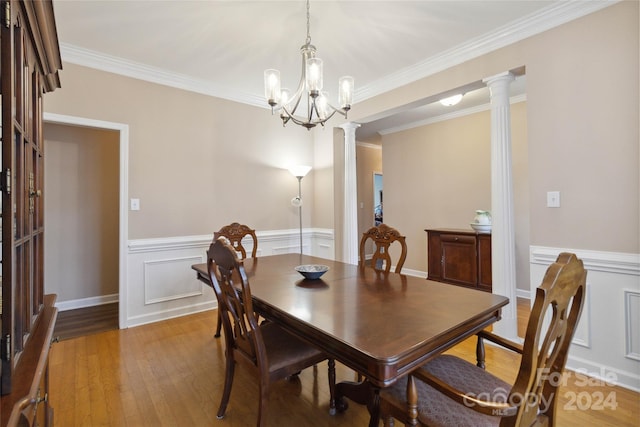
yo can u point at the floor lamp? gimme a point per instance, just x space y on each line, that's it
299 172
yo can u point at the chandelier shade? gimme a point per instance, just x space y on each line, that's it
309 105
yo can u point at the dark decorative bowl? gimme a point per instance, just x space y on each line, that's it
312 271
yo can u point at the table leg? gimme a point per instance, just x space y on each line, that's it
363 393
332 387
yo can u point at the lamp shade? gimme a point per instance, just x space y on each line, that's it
299 170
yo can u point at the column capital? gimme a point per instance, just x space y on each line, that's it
349 126
505 76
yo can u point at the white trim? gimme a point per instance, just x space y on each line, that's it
556 14
583 333
368 145
86 302
113 64
622 378
166 314
452 115
610 262
605 344
523 293
632 328
123 232
203 240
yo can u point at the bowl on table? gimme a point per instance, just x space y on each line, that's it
312 271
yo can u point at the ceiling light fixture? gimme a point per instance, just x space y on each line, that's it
309 93
451 101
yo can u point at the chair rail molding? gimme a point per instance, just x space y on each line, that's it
607 340
161 284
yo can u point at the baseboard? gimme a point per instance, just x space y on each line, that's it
86 302
523 293
170 314
604 373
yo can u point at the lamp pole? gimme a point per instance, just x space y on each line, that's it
299 172
300 208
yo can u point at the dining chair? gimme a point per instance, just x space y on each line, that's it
383 236
270 352
235 232
452 391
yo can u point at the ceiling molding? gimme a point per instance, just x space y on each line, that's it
112 64
550 17
543 20
368 145
448 116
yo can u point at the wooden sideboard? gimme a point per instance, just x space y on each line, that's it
459 257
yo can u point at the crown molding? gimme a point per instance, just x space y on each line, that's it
112 64
538 22
449 116
545 19
368 145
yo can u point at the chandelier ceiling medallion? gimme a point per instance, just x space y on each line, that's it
309 93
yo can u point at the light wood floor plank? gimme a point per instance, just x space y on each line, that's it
171 374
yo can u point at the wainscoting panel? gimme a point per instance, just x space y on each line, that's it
162 285
632 321
170 279
607 340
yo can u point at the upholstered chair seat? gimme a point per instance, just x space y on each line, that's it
436 409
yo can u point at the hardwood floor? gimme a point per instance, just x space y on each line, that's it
171 374
86 321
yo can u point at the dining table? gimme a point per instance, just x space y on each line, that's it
381 324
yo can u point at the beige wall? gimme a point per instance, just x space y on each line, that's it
191 156
447 178
81 205
582 127
368 161
198 162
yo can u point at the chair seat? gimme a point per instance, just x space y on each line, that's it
285 351
437 410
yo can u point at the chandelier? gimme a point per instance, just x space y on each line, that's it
309 105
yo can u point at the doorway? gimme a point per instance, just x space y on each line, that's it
377 199
110 206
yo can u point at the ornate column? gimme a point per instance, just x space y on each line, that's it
502 234
350 226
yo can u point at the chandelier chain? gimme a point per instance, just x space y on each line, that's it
308 25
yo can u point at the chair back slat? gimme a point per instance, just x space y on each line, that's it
383 237
552 324
233 292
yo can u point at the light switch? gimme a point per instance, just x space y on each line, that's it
553 199
135 204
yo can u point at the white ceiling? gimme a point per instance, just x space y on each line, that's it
221 48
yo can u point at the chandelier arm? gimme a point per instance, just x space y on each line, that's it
309 120
342 111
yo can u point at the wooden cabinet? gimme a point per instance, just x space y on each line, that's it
29 65
459 257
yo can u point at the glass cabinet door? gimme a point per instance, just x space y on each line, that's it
23 83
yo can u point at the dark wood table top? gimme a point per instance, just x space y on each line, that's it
380 324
